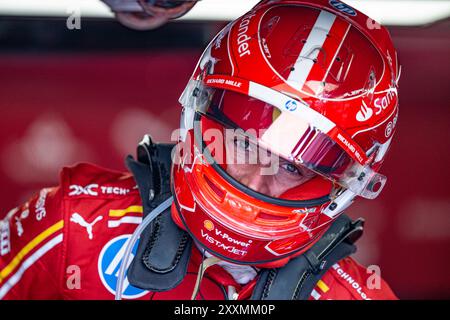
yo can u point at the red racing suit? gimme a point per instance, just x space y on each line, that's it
67 242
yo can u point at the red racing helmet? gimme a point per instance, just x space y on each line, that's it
286 119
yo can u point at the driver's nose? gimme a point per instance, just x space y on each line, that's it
253 179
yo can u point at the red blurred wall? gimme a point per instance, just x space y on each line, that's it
58 109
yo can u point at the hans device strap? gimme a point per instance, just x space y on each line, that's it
164 250
297 279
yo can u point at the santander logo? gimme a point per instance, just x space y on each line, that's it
365 113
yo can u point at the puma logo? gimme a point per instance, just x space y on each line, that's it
80 220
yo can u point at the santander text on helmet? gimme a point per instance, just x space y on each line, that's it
243 37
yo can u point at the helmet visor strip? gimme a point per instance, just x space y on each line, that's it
298 139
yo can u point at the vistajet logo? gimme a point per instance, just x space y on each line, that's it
232 245
229 248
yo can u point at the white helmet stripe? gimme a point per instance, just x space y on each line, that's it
283 103
316 39
336 53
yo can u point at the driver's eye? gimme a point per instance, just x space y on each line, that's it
291 168
243 144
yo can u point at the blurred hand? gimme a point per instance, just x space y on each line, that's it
148 14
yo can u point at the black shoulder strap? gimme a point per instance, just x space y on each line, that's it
297 279
164 249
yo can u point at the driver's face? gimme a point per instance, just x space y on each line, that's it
268 175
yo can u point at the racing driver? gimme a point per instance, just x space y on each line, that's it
285 122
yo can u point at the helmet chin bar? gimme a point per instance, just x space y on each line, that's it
263 263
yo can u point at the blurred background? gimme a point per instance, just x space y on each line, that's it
90 93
